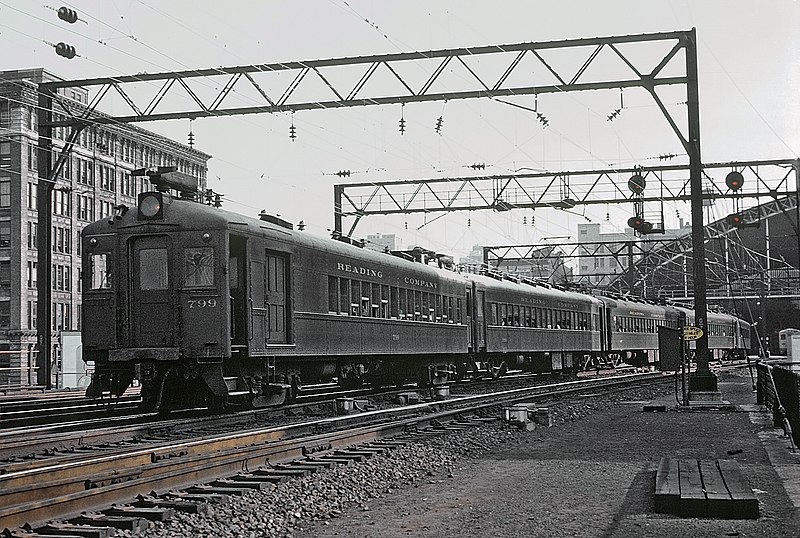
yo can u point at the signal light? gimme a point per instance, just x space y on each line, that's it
640 225
734 180
735 220
67 51
637 184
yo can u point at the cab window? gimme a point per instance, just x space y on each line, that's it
100 268
198 267
153 273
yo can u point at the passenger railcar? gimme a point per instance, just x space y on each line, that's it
728 336
208 307
631 330
537 327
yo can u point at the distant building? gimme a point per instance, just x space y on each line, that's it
382 242
604 256
545 263
95 178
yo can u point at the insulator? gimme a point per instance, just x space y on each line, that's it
67 51
68 15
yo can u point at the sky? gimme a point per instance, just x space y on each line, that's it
749 72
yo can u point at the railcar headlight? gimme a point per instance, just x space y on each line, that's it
151 205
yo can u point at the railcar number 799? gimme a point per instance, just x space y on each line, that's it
202 303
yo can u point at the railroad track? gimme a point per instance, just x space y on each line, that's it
29 441
39 491
54 411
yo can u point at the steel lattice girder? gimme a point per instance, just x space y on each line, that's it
276 87
670 262
547 190
667 259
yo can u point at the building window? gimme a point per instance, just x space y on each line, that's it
5 154
5 274
5 191
33 230
5 314
31 314
31 275
5 114
33 195
5 234
85 208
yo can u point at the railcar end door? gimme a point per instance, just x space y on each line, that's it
151 305
257 331
277 298
480 319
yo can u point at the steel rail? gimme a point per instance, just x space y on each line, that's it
50 491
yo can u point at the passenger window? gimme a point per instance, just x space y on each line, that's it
153 272
100 271
198 267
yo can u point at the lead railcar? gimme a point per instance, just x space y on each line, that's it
207 307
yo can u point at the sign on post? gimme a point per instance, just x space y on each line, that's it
692 333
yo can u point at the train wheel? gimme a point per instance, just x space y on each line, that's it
499 370
295 387
152 394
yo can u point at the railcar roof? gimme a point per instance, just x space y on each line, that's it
539 291
635 306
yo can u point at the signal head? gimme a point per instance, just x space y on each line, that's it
735 220
734 180
637 184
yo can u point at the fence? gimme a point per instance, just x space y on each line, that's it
779 389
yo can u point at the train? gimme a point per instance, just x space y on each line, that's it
206 307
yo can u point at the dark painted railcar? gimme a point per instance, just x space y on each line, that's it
206 306
537 327
631 329
728 336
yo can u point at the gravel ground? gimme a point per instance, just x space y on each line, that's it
579 478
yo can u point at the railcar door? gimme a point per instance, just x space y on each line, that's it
277 298
151 294
480 319
257 331
605 328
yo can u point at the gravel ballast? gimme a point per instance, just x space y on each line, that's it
583 477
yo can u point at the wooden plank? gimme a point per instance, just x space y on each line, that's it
744 504
668 492
693 498
718 500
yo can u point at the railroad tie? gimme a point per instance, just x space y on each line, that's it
242 481
67 529
117 522
189 507
217 490
152 514
203 498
